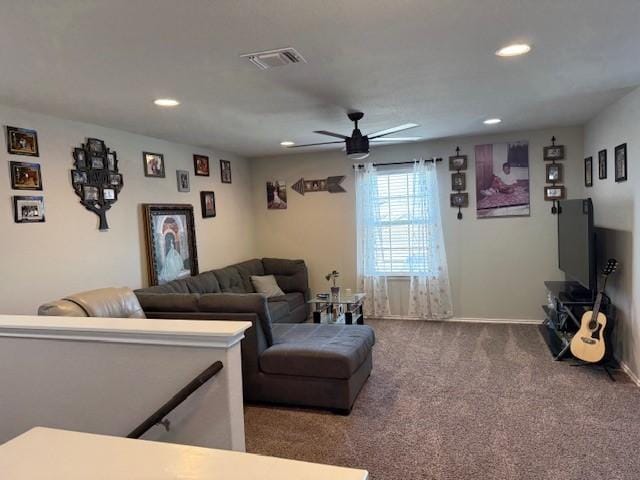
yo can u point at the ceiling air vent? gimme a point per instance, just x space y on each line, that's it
274 58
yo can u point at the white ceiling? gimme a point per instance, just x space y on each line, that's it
424 61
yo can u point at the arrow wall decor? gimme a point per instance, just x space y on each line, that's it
329 184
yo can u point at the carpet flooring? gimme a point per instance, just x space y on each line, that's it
466 401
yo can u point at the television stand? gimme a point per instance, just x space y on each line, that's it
562 319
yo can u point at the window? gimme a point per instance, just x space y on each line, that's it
400 218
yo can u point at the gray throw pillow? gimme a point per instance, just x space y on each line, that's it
267 285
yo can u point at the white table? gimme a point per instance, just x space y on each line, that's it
43 453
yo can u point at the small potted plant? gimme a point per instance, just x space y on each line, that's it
332 277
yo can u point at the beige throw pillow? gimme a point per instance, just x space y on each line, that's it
267 285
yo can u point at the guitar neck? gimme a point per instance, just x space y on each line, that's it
598 304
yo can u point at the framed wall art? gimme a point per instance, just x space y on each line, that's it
28 209
225 171
458 162
458 181
22 141
602 164
153 164
25 176
588 172
201 165
208 204
276 195
459 200
554 192
553 152
620 157
182 177
171 242
554 172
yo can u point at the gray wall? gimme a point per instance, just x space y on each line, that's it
616 216
497 266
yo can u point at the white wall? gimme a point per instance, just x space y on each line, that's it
67 253
497 265
616 215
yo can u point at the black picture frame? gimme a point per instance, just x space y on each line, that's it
225 171
459 199
27 209
554 172
553 153
155 238
588 172
201 165
458 181
602 164
208 204
458 162
25 176
22 141
183 180
620 159
150 169
554 192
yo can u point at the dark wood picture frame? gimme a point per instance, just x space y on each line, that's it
146 157
588 172
602 164
549 188
151 210
459 199
458 162
23 171
550 168
17 216
201 165
553 152
458 181
30 137
207 211
225 171
620 163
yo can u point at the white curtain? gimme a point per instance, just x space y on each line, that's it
367 215
429 291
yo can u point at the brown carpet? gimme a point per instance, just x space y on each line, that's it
467 401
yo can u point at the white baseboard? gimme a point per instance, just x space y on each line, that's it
525 321
625 368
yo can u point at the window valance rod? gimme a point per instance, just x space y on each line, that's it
434 159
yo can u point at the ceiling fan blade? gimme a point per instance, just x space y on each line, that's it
331 134
313 144
397 139
391 130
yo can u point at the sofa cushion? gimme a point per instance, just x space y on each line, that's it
230 280
206 282
323 351
294 299
290 274
267 285
278 311
248 268
103 302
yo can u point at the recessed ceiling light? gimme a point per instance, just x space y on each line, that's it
287 143
492 121
514 50
166 102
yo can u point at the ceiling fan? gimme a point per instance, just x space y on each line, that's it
357 145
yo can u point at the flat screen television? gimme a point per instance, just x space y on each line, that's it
576 244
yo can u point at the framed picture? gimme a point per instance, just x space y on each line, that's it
621 163
115 179
502 179
171 242
459 200
21 141
112 162
458 181
588 172
276 195
225 171
153 164
89 193
458 162
79 177
80 158
96 146
554 172
553 152
97 163
555 192
602 164
201 165
183 181
28 209
208 203
25 176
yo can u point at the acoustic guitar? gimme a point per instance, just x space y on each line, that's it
588 343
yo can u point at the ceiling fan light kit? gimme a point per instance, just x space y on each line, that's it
357 145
